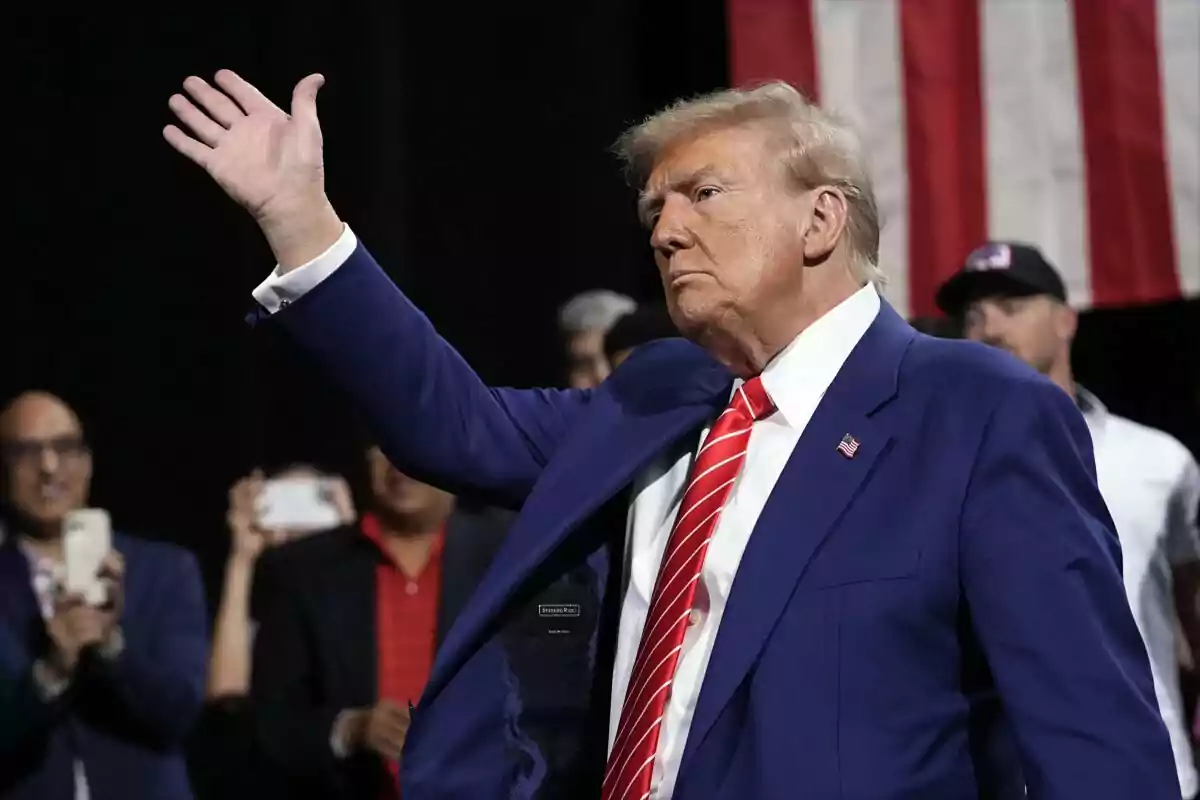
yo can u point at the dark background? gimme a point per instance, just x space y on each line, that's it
466 145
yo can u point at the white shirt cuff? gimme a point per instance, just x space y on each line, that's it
337 736
50 685
112 647
277 291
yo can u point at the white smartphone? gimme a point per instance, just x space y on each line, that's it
300 503
87 539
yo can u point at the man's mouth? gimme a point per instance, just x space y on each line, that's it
683 275
52 492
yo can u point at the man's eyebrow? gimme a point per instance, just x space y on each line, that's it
650 201
648 205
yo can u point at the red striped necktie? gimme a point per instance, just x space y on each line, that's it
631 762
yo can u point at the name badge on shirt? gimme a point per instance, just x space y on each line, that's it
559 610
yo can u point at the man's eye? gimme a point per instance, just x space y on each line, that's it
705 192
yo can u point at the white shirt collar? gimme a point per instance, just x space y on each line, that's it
799 376
1094 412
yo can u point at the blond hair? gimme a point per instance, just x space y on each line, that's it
819 148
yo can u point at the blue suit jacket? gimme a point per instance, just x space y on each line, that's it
127 720
941 616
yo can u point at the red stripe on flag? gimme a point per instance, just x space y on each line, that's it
773 40
947 191
1130 233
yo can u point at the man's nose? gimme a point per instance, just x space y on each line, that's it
49 461
991 327
671 233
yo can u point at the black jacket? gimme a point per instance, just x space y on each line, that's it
315 656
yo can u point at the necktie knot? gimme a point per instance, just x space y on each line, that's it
751 398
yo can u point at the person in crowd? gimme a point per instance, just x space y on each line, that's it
110 691
643 324
583 320
935 326
348 622
1009 296
834 557
224 756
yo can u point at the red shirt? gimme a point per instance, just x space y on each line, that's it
405 623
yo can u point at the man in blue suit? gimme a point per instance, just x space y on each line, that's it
95 701
896 578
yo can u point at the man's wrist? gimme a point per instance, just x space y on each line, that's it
240 565
113 644
60 662
297 236
51 677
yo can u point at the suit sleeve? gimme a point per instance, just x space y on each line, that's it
25 713
430 413
293 727
156 685
1041 574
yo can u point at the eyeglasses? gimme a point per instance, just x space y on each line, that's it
28 450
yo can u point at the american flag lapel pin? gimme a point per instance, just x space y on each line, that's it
848 446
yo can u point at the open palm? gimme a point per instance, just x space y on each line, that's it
268 161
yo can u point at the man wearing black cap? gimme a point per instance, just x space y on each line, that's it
1008 295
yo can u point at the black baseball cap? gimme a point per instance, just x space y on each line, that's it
1004 268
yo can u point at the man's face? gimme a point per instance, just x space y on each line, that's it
47 465
586 365
1036 329
727 230
401 496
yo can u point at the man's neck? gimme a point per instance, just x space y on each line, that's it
408 529
409 542
1063 377
748 351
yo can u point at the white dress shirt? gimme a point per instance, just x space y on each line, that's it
1151 485
795 380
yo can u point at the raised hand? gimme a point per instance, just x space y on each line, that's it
268 161
249 538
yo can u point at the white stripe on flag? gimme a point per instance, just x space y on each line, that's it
1035 169
860 69
1179 61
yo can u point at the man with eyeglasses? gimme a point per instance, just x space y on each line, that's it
107 692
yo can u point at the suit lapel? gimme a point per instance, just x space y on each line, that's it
810 496
623 431
469 546
19 609
17 599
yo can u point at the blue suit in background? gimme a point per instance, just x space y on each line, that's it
125 720
940 616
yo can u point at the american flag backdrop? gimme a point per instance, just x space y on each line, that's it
1071 124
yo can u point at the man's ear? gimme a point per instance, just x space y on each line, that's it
830 216
1066 322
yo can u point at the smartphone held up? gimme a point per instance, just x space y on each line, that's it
87 539
298 504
